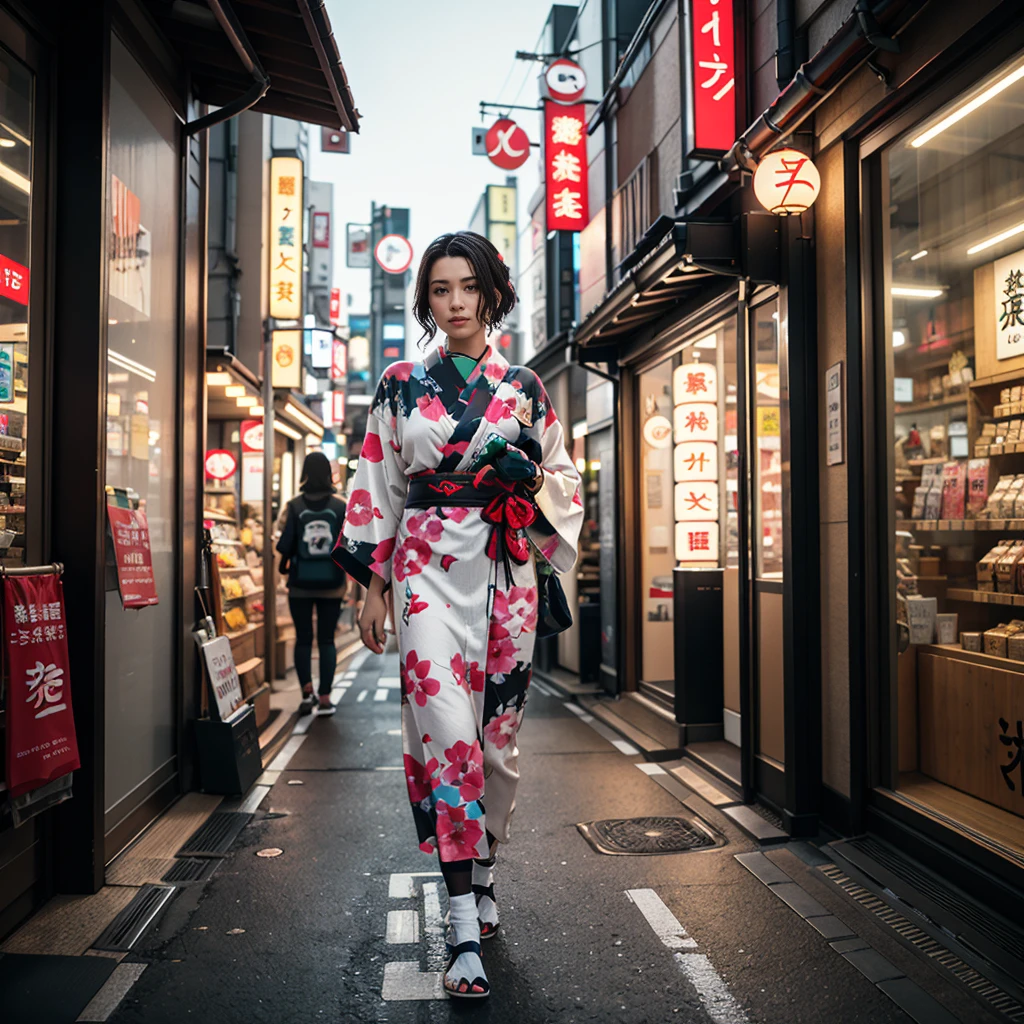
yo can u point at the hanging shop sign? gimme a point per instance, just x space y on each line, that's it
658 431
339 360
321 348
335 311
338 406
130 533
786 182
696 500
220 464
507 145
321 229
394 254
251 435
224 681
41 742
713 77
13 281
565 80
1009 305
252 477
357 246
834 414
286 238
565 166
131 265
286 359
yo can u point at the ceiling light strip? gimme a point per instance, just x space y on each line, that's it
996 239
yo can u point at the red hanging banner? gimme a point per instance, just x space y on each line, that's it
41 742
565 166
135 577
714 77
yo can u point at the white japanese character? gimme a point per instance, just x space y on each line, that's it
504 146
20 613
45 684
712 27
567 204
719 67
566 131
565 167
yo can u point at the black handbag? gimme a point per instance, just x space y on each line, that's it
553 615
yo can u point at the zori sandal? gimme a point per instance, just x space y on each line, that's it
457 980
486 911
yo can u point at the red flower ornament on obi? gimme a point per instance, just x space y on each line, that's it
360 508
372 450
457 835
410 558
510 515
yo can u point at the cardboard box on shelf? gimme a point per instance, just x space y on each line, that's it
978 482
987 565
1006 567
921 612
995 639
971 642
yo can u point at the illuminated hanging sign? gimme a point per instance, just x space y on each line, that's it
786 182
338 406
286 238
339 361
286 359
335 307
220 464
13 281
393 254
713 77
565 80
507 145
565 166
695 397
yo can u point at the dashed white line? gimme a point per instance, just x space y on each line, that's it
402 885
381 694
651 769
718 1001
404 980
433 927
337 694
403 926
542 687
287 753
662 921
389 682
578 711
625 748
362 696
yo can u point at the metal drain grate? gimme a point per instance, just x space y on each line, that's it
645 836
188 869
770 816
122 933
215 836
990 993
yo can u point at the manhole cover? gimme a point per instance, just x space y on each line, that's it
644 836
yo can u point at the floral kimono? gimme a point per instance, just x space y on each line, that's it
466 622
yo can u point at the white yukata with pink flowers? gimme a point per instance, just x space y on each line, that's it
466 633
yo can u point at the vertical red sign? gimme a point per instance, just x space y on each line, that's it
41 742
135 578
13 280
714 76
338 407
335 307
339 361
565 166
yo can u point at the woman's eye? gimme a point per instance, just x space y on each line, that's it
470 287
439 291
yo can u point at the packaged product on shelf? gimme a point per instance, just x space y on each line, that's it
971 642
921 612
938 446
920 497
1015 393
977 486
1009 503
1015 647
995 639
933 503
1006 567
935 387
954 490
995 499
945 627
987 566
234 618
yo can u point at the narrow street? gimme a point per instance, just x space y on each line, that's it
346 923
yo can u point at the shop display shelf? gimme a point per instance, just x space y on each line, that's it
1003 448
13 510
956 651
938 460
960 525
930 404
970 596
216 514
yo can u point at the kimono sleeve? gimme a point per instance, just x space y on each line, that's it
556 532
376 503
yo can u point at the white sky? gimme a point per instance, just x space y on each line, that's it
418 72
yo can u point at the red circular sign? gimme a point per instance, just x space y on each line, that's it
565 80
394 254
220 464
508 146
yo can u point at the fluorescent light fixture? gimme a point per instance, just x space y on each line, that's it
8 143
595 465
899 339
919 256
12 177
311 425
359 399
581 465
996 239
234 391
111 322
283 428
579 429
246 402
256 412
969 107
711 341
131 365
906 292
212 379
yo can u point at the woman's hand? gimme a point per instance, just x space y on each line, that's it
373 617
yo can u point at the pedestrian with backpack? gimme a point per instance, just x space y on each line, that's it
310 524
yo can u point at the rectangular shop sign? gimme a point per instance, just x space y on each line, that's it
322 351
224 681
13 281
565 166
338 407
1009 305
41 742
357 246
252 477
339 360
130 533
286 359
286 238
713 77
321 229
834 414
250 434
6 373
335 311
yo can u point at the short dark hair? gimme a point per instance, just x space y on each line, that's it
317 477
497 295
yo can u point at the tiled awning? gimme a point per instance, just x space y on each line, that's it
295 45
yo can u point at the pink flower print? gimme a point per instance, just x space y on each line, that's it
418 778
477 677
382 554
501 654
457 835
465 770
426 525
500 409
372 450
459 671
551 417
410 558
400 371
459 448
447 561
501 731
416 681
456 515
494 371
432 408
515 612
360 508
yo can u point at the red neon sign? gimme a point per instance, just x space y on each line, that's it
339 361
338 406
565 166
714 76
13 280
335 307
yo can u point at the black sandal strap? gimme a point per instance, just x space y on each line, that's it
485 890
465 947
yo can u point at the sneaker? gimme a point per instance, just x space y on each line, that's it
307 705
326 709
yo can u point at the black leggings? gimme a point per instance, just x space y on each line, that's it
328 611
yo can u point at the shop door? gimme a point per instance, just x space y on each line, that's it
142 404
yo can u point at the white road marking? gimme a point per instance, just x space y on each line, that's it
403 926
718 1001
114 989
381 695
268 778
402 886
625 748
543 689
337 693
254 799
662 921
303 724
394 732
362 696
389 768
651 769
288 752
575 709
404 980
389 682
433 927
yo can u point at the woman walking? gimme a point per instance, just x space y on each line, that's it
463 481
310 525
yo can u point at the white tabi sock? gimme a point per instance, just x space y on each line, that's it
465 928
486 908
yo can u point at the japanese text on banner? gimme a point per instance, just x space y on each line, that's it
714 76
565 166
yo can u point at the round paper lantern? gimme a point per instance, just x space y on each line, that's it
786 182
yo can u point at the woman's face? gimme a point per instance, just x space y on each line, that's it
455 298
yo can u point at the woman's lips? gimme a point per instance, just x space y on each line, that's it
458 321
